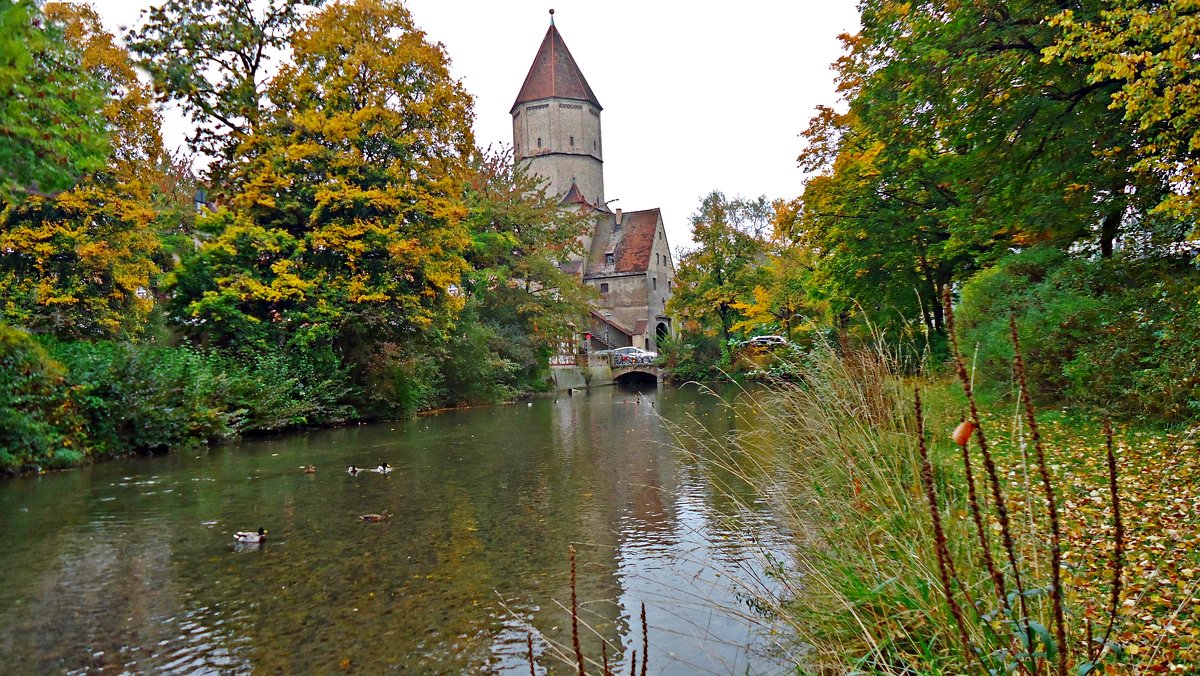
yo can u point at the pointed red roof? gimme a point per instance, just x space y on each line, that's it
554 74
575 196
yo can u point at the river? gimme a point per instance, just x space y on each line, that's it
130 566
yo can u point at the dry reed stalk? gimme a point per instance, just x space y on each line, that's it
1118 536
575 617
529 645
945 563
633 664
604 657
990 468
1056 595
645 641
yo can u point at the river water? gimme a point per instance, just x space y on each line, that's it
130 566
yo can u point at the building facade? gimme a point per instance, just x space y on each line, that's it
627 258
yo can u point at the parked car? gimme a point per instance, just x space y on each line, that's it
767 341
624 356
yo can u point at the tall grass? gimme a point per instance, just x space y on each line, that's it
909 556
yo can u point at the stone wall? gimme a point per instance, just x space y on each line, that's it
570 145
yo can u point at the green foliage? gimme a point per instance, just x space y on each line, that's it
720 273
520 304
1149 48
473 369
692 356
209 55
51 127
146 398
84 263
960 143
1117 334
346 223
39 423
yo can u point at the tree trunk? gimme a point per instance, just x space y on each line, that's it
1108 233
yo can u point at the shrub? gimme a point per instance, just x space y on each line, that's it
1103 331
691 356
39 423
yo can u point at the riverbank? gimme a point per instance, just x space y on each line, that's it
840 458
69 403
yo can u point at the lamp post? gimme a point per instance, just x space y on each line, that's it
607 323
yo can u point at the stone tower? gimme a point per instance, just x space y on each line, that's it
556 124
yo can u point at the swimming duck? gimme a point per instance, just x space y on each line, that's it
252 538
352 470
310 469
375 518
383 468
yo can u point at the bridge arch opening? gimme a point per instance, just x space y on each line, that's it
636 378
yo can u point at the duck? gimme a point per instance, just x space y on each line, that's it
309 469
352 470
376 518
383 468
250 537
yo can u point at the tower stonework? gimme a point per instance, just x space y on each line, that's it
626 257
556 123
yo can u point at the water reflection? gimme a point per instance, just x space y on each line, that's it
131 565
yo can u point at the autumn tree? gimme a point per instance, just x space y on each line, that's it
1149 50
722 269
51 130
81 263
346 224
213 57
960 143
520 302
786 298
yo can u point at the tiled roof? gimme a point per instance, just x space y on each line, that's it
554 74
575 196
631 245
637 242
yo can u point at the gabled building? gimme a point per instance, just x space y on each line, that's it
557 135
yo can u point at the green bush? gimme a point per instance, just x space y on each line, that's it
473 370
139 398
692 356
39 423
1120 335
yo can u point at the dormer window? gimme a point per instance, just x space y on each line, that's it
608 259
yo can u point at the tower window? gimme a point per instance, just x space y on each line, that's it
654 283
539 141
594 146
572 140
608 259
604 287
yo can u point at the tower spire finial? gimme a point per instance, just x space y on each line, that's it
551 16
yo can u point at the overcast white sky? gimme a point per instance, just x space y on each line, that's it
697 96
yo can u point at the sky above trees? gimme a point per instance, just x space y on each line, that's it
698 97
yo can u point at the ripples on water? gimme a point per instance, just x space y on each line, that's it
130 566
